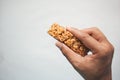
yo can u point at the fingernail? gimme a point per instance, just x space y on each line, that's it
68 28
59 44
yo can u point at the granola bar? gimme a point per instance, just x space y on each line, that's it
64 36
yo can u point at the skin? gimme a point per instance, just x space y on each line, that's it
96 66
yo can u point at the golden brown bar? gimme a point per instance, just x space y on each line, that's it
64 36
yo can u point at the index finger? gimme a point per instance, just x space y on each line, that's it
95 33
68 53
86 39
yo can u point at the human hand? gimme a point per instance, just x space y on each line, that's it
92 67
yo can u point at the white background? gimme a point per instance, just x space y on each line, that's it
27 52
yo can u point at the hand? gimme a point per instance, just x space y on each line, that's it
92 67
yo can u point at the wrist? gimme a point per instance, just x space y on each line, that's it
105 76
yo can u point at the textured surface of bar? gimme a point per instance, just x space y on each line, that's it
64 36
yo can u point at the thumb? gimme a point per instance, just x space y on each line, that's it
72 57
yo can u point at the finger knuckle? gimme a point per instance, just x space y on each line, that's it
111 47
84 36
108 49
62 48
76 63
